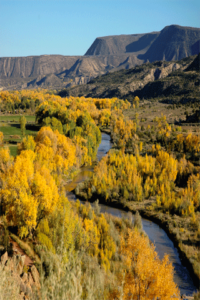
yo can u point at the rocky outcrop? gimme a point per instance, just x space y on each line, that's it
58 71
34 66
17 272
36 276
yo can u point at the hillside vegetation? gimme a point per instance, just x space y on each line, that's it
169 82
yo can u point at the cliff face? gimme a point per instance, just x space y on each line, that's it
56 71
174 43
106 54
115 45
34 65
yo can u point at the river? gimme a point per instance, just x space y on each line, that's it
155 233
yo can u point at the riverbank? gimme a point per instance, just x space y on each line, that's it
162 242
182 228
172 225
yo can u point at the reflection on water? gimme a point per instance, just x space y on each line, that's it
156 234
85 173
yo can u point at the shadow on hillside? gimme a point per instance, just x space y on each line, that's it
143 43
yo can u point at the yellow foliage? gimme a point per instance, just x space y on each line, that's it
1 138
28 143
28 195
44 240
146 277
5 160
55 151
33 199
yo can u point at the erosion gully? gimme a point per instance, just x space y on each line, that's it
156 234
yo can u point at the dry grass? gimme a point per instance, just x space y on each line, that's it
149 110
9 286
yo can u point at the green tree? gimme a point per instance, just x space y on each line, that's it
22 121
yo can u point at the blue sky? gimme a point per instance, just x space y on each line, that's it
69 27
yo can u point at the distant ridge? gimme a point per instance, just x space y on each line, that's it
106 54
174 43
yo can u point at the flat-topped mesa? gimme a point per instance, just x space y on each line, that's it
119 44
173 42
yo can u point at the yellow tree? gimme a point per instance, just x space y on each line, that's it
5 163
136 101
27 195
28 143
146 277
1 138
55 151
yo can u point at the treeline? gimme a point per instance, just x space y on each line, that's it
12 101
174 140
125 177
157 171
25 99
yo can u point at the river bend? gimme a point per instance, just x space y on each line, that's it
156 234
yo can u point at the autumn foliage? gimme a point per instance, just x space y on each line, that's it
33 198
146 276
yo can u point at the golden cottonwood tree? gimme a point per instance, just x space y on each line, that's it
5 162
55 151
147 277
28 143
27 194
1 138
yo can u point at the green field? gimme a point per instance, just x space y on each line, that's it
14 129
13 150
10 127
16 118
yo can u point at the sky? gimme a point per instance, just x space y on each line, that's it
69 27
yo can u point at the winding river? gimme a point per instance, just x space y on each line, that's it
155 233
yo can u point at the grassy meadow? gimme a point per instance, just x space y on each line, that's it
10 126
